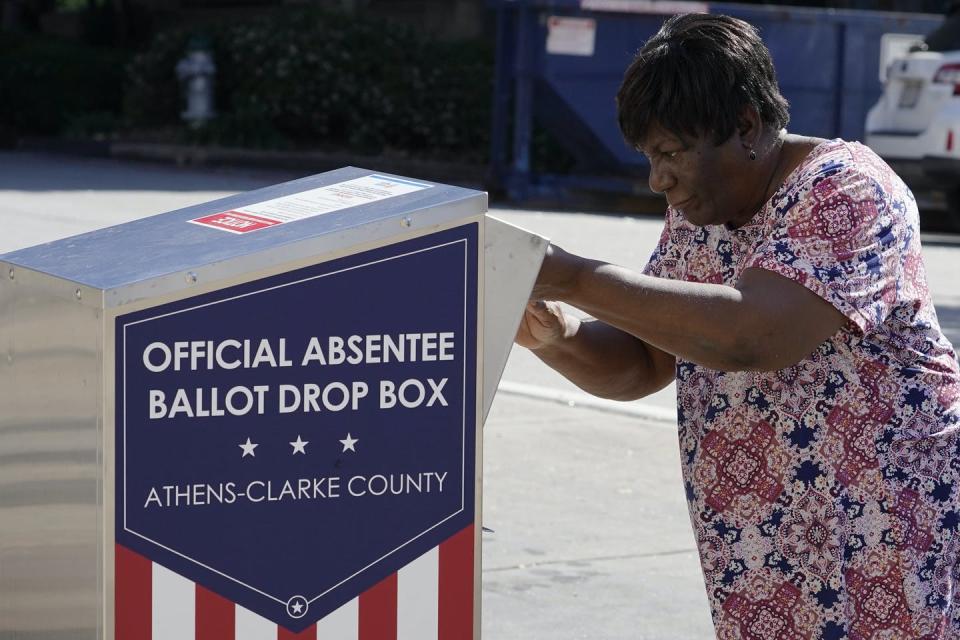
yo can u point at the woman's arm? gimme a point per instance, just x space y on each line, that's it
765 323
598 358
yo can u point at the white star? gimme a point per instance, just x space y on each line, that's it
300 446
348 443
297 607
248 448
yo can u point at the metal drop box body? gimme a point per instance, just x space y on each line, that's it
266 426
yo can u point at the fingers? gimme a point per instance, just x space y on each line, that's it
539 312
530 325
539 308
542 323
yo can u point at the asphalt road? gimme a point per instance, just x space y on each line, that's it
591 534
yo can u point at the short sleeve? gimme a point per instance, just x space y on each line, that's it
655 264
668 256
835 235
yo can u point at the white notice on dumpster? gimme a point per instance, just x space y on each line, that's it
307 204
571 36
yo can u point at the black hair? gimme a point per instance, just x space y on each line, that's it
694 77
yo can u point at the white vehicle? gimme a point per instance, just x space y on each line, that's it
915 126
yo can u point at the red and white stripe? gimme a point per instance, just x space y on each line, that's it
432 598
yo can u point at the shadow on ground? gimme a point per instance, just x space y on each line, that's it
24 171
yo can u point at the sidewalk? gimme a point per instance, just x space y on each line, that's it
591 534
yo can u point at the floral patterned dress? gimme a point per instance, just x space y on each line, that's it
824 496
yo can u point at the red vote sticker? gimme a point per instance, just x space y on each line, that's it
235 222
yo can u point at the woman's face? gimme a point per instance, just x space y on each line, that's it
709 184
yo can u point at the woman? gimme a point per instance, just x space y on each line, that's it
818 400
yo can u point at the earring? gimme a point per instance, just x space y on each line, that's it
753 154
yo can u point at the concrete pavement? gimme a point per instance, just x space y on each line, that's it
591 534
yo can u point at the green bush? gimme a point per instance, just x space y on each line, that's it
47 83
310 78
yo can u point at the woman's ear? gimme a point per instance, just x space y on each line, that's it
749 127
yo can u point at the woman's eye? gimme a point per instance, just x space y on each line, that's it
671 154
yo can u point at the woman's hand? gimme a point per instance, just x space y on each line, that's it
544 324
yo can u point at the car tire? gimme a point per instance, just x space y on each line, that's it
953 208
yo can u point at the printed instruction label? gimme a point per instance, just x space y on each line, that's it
308 204
571 36
655 7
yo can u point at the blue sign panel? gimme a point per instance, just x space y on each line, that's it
289 442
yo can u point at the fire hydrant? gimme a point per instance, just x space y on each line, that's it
196 71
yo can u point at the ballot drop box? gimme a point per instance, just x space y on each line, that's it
256 418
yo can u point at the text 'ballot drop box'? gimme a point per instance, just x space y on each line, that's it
258 417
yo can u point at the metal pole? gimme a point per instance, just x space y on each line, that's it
838 79
502 95
523 101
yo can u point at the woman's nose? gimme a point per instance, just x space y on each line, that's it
660 180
